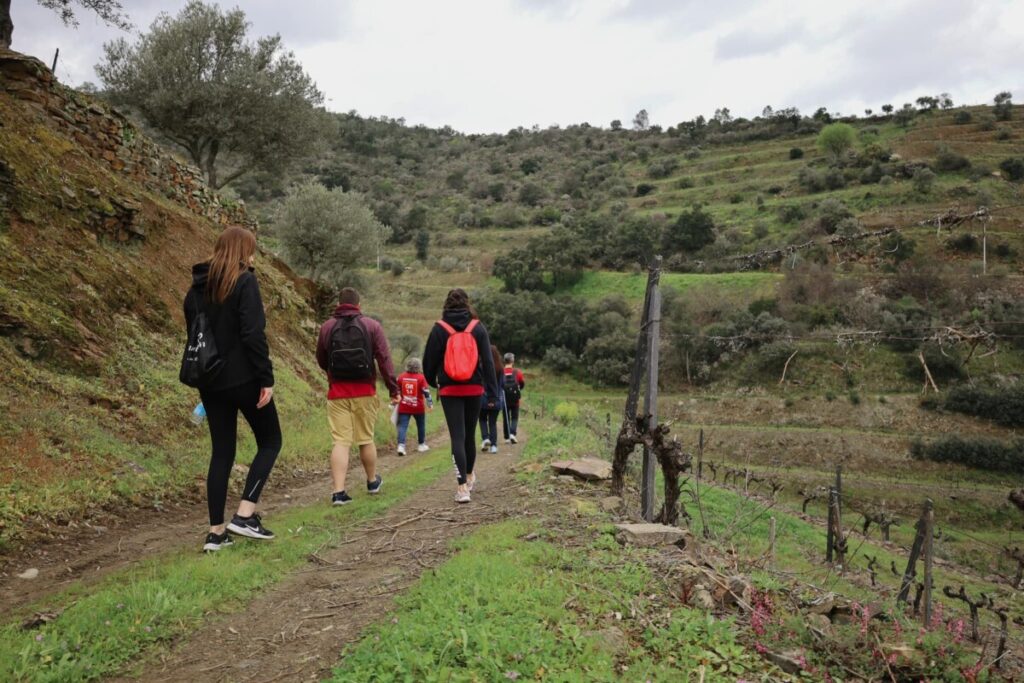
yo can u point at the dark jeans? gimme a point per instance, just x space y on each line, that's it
510 421
489 424
403 426
461 412
222 408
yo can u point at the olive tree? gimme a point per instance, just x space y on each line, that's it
325 233
109 11
836 139
234 105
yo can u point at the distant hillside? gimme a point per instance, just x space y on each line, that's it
98 230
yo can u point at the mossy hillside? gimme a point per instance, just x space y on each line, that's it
91 328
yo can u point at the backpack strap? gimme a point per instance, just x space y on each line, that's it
472 324
446 327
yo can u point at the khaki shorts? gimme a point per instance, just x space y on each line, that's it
352 419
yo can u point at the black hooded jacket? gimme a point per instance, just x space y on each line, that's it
238 328
433 359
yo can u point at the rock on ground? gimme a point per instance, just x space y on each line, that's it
588 469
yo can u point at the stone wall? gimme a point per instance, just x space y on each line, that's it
110 137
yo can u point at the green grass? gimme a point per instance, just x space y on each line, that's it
106 626
508 609
599 284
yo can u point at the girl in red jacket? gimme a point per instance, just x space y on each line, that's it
414 399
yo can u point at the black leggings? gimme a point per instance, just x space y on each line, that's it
461 412
222 408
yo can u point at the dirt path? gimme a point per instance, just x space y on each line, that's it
86 551
296 630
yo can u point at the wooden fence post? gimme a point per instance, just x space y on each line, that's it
771 538
915 552
830 540
926 549
647 510
835 530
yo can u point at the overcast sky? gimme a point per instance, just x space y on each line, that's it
492 65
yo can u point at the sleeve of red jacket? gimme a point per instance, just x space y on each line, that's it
382 354
521 379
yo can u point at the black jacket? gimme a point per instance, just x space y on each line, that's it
238 328
437 342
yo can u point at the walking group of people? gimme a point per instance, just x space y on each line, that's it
228 359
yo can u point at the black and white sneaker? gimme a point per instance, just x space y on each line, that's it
215 542
341 498
513 439
373 487
250 527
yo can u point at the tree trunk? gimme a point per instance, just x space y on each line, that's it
211 164
6 25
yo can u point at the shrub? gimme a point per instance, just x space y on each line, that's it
831 213
531 194
662 169
560 359
834 179
978 452
449 263
948 160
965 242
567 413
684 183
397 268
854 398
1002 405
796 153
872 174
608 359
962 117
811 179
761 230
422 242
791 213
1013 168
771 358
924 179
644 189
692 231
1004 133
886 180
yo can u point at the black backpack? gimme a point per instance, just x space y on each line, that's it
512 391
350 354
201 363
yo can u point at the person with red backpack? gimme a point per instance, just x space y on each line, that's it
457 360
348 345
415 392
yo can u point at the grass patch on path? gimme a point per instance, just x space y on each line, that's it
505 608
106 626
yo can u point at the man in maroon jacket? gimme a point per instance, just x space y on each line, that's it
346 350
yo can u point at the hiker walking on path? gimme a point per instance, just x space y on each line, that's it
224 303
512 386
457 360
415 399
347 348
489 414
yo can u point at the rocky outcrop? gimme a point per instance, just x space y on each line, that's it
111 138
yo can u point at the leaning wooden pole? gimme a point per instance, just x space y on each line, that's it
647 510
627 439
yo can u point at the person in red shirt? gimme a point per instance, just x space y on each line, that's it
414 399
512 385
348 347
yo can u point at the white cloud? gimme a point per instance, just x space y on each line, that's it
491 65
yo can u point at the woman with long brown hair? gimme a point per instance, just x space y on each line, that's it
225 289
489 411
457 359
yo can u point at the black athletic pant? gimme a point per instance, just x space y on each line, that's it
510 420
222 408
461 412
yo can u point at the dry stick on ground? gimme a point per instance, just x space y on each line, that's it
927 375
973 605
786 367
